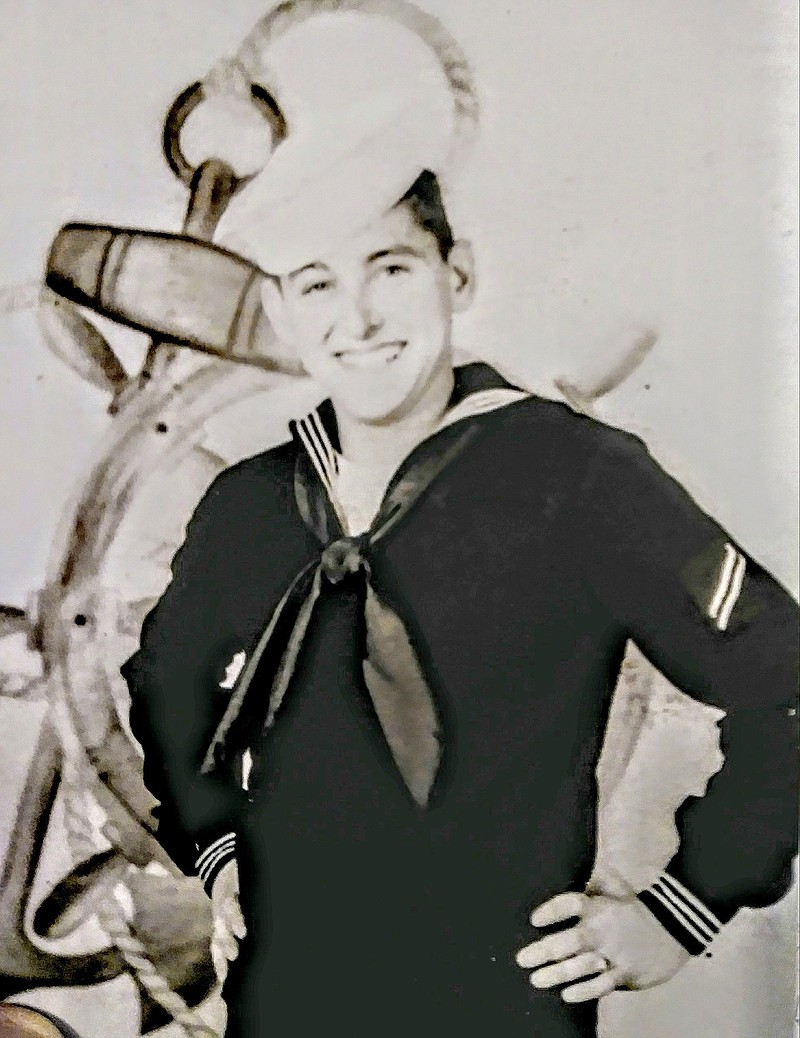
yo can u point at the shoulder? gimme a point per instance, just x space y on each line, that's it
252 492
575 439
264 474
248 510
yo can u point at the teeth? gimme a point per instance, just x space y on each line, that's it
370 357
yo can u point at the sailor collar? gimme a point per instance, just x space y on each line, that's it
403 701
477 389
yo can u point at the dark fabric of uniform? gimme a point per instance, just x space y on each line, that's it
520 574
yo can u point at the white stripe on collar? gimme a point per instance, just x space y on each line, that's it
324 456
482 402
319 450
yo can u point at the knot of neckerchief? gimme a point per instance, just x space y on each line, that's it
393 675
344 557
403 701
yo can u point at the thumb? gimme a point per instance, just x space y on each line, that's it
610 882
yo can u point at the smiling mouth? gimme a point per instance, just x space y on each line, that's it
370 356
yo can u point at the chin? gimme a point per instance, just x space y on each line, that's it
376 397
376 408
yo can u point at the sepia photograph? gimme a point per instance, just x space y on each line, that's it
399 532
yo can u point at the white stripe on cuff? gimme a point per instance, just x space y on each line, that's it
702 910
225 854
211 864
687 919
227 838
686 909
226 842
682 921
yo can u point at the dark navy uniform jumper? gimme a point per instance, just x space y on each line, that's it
520 574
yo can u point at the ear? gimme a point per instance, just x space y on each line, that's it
461 262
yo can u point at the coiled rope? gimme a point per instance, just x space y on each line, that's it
233 76
79 777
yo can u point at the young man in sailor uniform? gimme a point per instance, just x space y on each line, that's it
437 537
374 694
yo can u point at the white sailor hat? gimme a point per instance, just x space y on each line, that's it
370 102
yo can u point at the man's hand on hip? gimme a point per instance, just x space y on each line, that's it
615 943
229 925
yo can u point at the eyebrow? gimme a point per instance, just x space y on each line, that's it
396 250
307 268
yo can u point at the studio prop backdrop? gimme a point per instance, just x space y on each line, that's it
633 182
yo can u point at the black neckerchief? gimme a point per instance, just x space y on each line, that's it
400 694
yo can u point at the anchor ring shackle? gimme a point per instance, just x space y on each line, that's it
190 99
289 14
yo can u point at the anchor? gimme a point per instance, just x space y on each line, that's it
211 346
82 634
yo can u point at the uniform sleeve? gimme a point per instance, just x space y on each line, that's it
176 700
724 631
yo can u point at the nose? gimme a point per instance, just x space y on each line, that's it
359 319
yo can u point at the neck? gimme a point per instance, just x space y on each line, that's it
385 444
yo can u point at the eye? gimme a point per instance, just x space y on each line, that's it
317 286
393 270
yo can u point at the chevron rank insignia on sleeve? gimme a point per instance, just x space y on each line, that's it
717 583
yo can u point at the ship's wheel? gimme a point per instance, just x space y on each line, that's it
175 424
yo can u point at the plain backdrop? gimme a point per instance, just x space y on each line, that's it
636 169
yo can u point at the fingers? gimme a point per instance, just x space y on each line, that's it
219 958
553 948
236 920
595 988
560 908
224 941
229 929
584 965
225 887
569 955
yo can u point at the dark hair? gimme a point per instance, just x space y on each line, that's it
424 199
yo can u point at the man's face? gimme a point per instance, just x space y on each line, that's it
371 322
